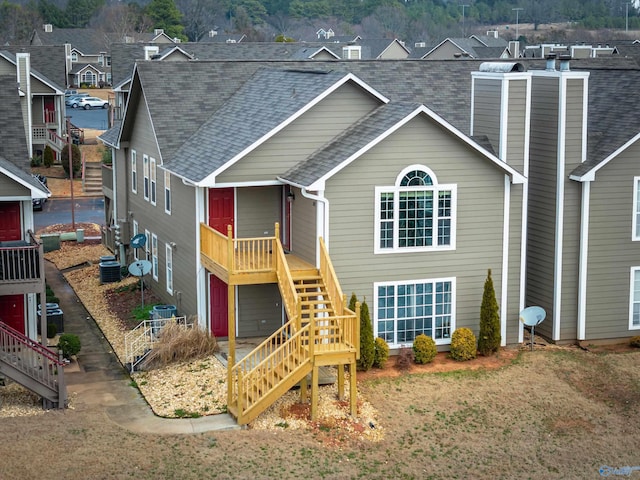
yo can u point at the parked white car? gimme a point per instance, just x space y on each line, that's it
90 102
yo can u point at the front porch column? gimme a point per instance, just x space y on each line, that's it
231 358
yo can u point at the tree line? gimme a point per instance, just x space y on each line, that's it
264 20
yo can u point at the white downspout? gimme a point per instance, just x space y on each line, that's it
582 267
201 277
322 219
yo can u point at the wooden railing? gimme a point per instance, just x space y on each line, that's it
288 291
21 262
255 386
33 365
214 245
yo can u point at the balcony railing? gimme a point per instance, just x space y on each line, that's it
20 261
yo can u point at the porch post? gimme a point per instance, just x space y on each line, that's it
231 359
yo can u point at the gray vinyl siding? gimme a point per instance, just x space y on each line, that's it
180 227
301 138
612 253
516 124
514 264
542 198
394 52
259 310
303 227
10 188
574 104
486 113
487 116
258 210
479 219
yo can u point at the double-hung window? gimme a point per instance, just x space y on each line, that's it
634 299
169 268
154 256
134 172
416 214
145 168
153 180
406 309
167 192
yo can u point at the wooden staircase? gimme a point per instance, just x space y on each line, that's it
321 331
33 366
92 180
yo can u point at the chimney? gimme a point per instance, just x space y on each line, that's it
551 62
564 63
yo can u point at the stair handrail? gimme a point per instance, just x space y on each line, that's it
285 282
8 331
261 377
330 279
35 361
144 335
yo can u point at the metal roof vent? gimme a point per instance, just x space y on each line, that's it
564 63
551 62
502 67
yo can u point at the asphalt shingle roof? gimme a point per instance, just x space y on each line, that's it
14 155
265 101
202 95
49 60
349 142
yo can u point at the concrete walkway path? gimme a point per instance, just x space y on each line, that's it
99 380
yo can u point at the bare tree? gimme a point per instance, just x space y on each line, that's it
199 16
120 23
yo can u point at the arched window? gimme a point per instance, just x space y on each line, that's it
416 213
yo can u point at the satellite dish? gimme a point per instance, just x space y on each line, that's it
139 268
138 241
532 316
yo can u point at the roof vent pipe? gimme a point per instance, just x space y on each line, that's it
551 62
564 63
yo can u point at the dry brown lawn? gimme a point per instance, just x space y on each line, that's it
550 413
560 413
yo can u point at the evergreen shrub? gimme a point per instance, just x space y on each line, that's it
47 156
463 345
69 344
77 159
424 349
489 337
381 352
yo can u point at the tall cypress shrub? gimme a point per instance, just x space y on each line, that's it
489 336
367 343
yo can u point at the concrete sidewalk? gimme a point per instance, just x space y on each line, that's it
99 381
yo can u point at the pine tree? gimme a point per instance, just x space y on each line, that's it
489 336
367 344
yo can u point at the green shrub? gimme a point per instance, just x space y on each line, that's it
463 345
52 330
381 352
635 341
367 346
36 161
489 337
105 154
424 349
77 159
47 156
69 344
52 299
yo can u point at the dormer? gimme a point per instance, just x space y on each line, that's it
150 51
352 52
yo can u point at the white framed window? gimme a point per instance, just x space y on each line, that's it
135 232
147 245
405 309
635 232
416 214
152 175
145 168
134 172
169 268
154 256
634 299
167 192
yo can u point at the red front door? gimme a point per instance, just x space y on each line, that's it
221 214
12 311
11 306
10 225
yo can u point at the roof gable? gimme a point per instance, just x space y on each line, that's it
269 101
366 134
